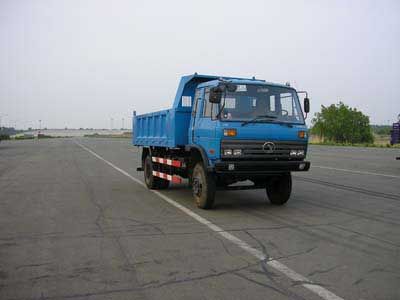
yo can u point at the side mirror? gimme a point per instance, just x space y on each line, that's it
231 88
306 105
215 95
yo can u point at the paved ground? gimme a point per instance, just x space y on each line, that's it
74 227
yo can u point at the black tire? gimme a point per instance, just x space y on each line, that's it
279 189
203 186
151 181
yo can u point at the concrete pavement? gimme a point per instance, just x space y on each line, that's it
73 227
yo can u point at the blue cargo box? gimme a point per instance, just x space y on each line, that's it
169 128
165 128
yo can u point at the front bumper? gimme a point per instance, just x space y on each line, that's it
260 167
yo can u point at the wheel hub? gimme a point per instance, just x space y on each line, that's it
147 172
197 186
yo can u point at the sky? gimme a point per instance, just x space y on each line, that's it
79 63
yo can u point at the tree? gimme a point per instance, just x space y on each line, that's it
342 124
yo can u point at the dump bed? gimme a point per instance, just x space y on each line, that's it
169 128
165 128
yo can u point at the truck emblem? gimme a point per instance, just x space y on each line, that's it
268 147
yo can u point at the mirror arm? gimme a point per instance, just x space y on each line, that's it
303 92
221 108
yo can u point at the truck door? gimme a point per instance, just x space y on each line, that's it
195 115
204 126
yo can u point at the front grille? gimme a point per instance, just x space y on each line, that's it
253 149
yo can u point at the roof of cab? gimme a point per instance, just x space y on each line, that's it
188 84
213 79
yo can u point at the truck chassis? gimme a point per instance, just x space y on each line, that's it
162 166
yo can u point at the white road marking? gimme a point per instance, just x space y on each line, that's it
293 275
354 171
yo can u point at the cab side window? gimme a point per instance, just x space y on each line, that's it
207 107
196 101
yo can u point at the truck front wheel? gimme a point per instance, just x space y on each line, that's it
203 185
279 189
153 182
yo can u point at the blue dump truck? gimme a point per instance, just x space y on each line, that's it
225 133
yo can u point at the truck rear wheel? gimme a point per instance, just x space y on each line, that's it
153 182
279 189
203 186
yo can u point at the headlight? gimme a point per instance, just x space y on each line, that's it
227 151
300 153
237 152
296 153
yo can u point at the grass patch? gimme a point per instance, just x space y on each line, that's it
40 137
125 135
356 145
21 137
380 141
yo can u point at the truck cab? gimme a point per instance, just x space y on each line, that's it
233 130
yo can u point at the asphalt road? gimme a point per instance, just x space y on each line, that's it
74 224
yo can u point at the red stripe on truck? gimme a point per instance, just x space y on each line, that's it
165 161
173 178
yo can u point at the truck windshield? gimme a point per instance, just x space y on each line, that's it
252 102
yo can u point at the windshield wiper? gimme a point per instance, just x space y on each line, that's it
259 117
280 123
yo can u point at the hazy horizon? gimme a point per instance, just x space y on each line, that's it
80 63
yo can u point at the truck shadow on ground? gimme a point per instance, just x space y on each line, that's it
227 200
234 200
